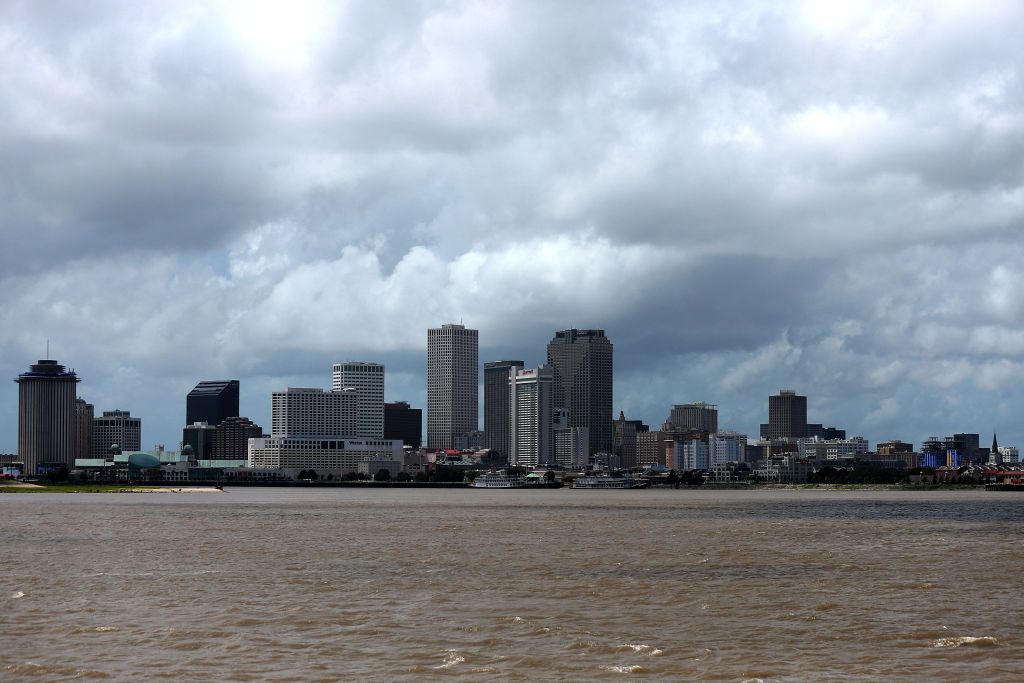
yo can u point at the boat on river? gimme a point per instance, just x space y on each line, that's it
606 482
499 480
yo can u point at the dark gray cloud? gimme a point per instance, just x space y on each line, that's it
829 197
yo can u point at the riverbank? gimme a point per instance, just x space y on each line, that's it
102 488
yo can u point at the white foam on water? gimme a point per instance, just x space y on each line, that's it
975 641
451 659
641 649
17 594
623 669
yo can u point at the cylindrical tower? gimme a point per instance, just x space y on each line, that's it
46 417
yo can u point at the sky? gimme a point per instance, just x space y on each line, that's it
826 197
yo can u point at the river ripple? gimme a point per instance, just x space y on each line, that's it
276 584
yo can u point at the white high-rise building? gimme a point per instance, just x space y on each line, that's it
314 412
368 381
691 455
452 384
727 446
534 431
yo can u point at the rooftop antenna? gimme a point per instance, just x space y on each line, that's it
47 348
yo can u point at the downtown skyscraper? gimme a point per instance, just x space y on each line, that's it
499 405
368 381
46 417
452 378
581 361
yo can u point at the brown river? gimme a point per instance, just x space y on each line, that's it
342 584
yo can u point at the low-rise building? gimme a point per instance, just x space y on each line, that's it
325 456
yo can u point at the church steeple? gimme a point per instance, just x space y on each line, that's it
994 455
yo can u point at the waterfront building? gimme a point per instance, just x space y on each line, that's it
452 378
116 427
403 423
581 364
787 415
211 402
84 415
367 379
200 439
534 438
314 412
701 416
326 456
499 404
624 445
231 438
46 417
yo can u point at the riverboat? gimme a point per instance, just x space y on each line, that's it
606 482
499 480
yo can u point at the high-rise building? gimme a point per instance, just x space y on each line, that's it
46 417
701 416
368 381
201 437
534 438
84 414
624 445
499 404
402 423
787 415
452 379
314 412
231 441
581 363
211 402
116 427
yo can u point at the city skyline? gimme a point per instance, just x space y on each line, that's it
745 197
669 410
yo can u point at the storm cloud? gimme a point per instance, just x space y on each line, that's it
745 196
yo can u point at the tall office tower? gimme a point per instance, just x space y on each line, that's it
211 402
700 416
402 423
452 377
534 436
46 417
499 404
368 381
787 415
581 362
201 437
84 414
314 412
232 438
624 445
116 427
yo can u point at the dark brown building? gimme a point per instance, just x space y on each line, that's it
232 438
787 415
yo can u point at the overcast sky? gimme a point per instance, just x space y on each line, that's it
826 196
